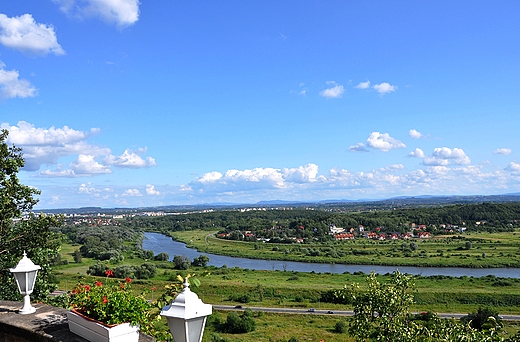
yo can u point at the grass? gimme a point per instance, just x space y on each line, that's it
487 250
302 290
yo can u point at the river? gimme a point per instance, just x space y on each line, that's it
161 243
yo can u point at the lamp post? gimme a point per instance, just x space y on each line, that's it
186 316
25 275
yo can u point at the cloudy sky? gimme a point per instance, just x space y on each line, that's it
122 103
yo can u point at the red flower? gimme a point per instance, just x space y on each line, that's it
105 300
87 288
109 273
154 288
98 283
128 280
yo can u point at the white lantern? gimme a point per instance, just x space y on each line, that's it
25 274
186 316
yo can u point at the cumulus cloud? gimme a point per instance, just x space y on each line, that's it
132 193
383 142
150 190
87 189
11 86
121 12
513 167
503 151
384 88
130 159
302 174
46 146
363 85
87 165
444 155
415 134
336 91
417 153
24 34
257 178
359 147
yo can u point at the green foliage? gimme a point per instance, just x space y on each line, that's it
484 319
144 271
381 313
31 233
110 303
340 327
240 324
163 256
181 262
202 261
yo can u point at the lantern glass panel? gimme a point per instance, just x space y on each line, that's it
21 279
195 329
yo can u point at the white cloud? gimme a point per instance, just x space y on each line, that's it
359 147
435 161
150 190
87 189
132 193
58 173
257 178
11 86
383 142
444 155
333 93
415 134
130 159
86 164
45 146
363 85
24 34
302 174
42 146
513 167
384 88
121 12
392 168
417 153
503 151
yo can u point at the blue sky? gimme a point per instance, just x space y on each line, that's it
121 103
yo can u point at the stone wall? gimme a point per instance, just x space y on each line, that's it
47 324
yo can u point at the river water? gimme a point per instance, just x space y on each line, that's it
161 243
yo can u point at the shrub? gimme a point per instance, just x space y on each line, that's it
240 324
340 327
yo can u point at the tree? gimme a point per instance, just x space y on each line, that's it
202 260
381 313
163 256
181 262
21 230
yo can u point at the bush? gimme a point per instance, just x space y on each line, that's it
483 319
240 324
162 257
340 327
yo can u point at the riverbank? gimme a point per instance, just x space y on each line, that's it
477 250
161 243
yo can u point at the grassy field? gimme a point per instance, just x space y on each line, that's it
303 290
486 250
234 286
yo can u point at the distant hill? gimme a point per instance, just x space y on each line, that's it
394 202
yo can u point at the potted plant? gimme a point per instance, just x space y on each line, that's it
107 311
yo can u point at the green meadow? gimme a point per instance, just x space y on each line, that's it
467 250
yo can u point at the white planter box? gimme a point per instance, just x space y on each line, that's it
97 332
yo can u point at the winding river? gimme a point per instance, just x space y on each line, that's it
161 243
